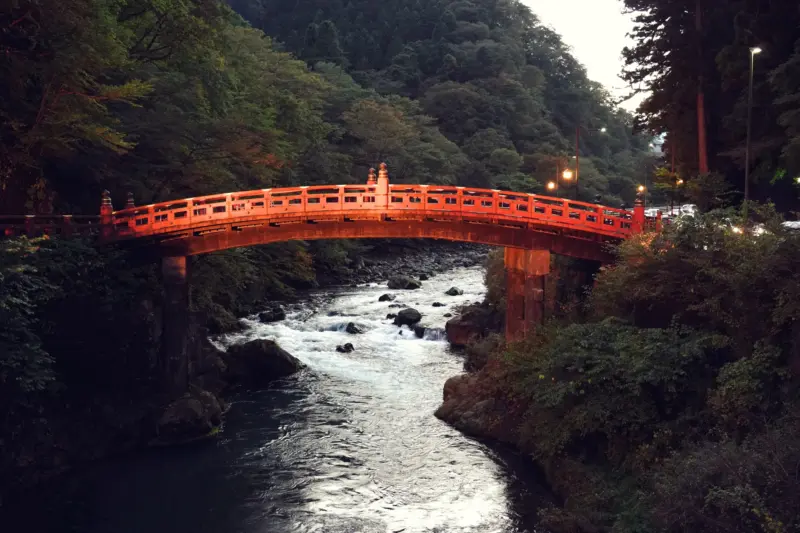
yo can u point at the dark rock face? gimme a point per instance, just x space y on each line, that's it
272 315
397 306
454 291
408 317
448 315
404 283
476 322
191 417
347 348
391 315
424 277
258 363
464 410
419 331
438 304
387 298
352 329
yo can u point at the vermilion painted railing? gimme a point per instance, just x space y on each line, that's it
377 200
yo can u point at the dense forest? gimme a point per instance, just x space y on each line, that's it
175 98
688 49
668 400
667 404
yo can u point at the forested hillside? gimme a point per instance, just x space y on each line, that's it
689 44
498 83
176 98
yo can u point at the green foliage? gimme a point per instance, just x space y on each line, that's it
672 406
608 387
25 366
502 88
682 46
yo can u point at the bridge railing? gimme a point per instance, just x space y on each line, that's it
369 202
62 225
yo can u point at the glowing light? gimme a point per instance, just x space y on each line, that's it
797 180
603 130
567 175
551 186
680 182
756 50
736 229
640 188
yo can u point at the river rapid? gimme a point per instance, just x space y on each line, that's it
349 445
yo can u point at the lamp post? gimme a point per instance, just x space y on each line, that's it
567 175
551 186
753 53
578 155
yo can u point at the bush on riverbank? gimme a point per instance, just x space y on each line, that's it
673 406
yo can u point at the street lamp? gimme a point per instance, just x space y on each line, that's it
551 186
578 155
640 188
567 174
753 53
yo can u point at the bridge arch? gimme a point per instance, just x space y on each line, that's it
529 226
378 209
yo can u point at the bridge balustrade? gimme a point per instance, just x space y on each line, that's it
400 201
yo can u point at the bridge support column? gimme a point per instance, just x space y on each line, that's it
526 274
174 365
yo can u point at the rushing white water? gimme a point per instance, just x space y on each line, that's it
372 455
348 446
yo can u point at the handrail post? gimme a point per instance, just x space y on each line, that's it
30 226
638 215
106 216
382 189
66 225
129 203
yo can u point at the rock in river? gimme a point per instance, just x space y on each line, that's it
191 417
347 348
407 317
352 329
474 323
257 363
387 298
272 315
404 282
454 291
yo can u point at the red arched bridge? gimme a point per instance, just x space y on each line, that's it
378 209
529 226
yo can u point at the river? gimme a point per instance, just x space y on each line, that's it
349 445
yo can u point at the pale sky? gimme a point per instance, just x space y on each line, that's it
596 31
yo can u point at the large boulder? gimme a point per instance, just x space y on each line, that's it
272 315
353 329
468 410
454 291
407 317
258 363
475 322
404 283
387 298
193 416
